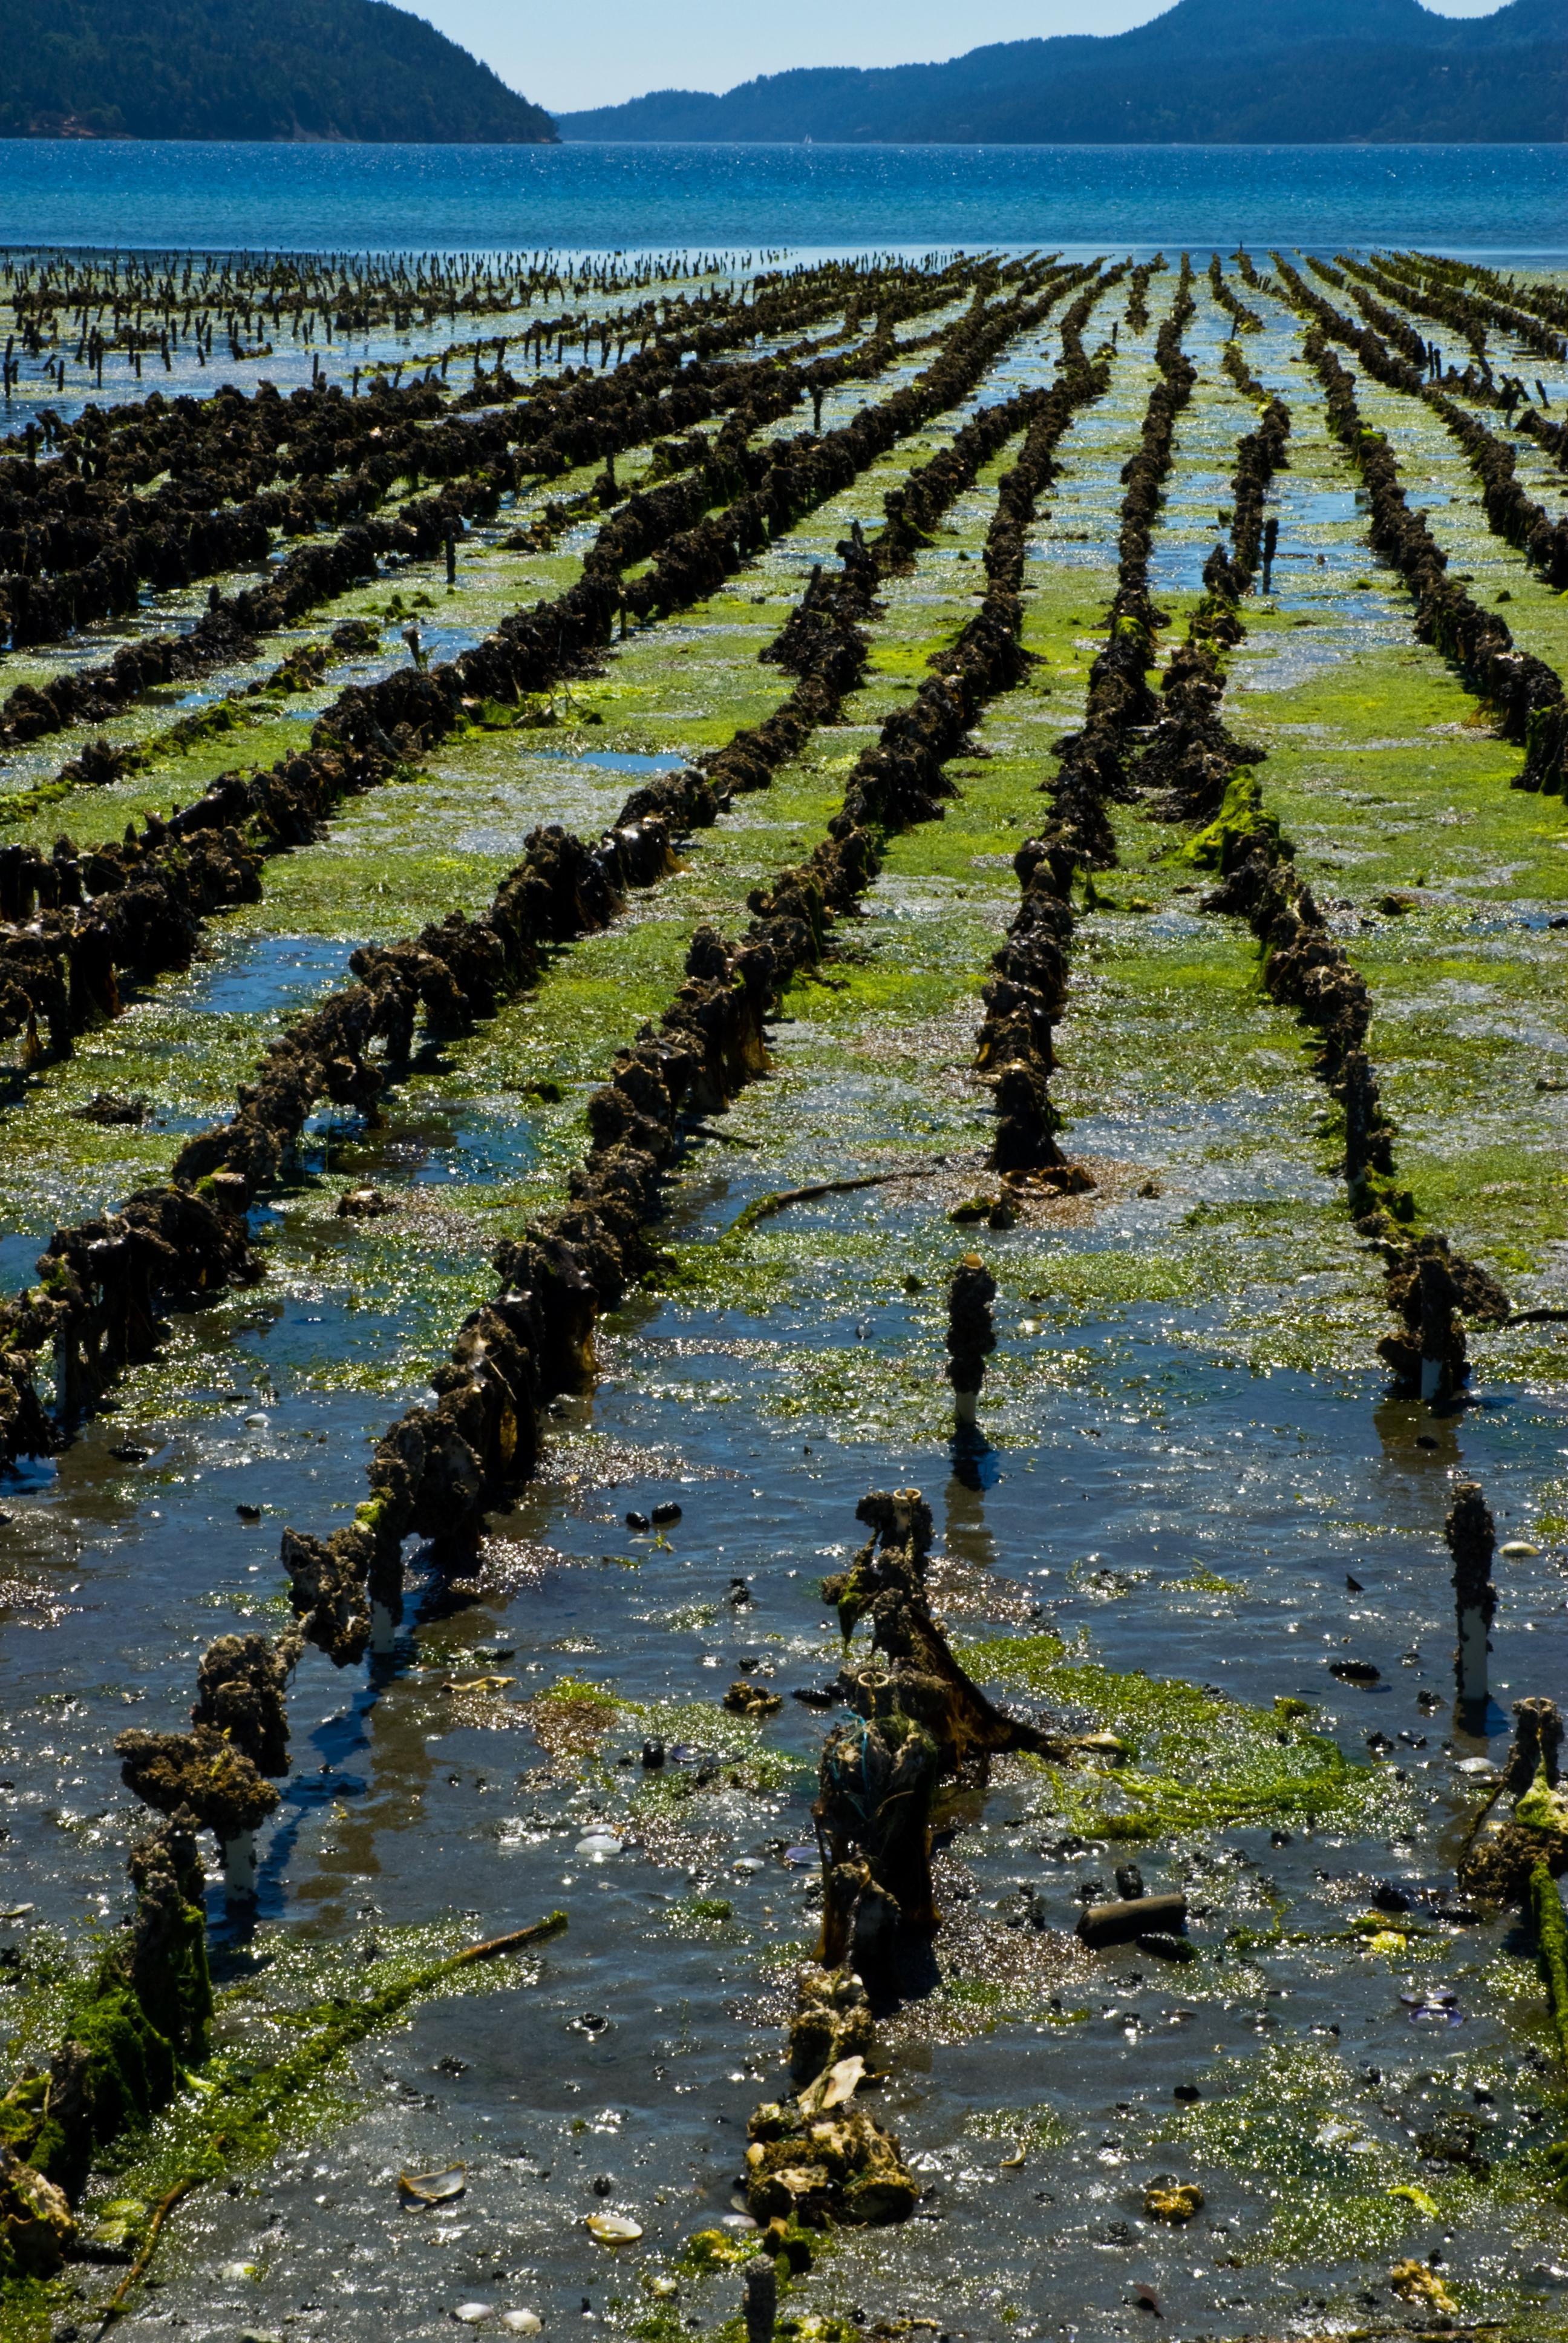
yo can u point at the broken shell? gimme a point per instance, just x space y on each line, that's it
661 2285
613 2228
843 2080
1014 2163
433 2188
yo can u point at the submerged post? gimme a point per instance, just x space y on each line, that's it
1470 1537
970 1335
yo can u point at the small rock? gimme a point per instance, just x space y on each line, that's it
669 1512
745 1699
107 1109
1181 2201
1187 2091
1164 1946
603 2185
130 1454
637 1522
1355 1672
248 1513
653 1755
362 1205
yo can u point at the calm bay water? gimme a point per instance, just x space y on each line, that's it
1499 201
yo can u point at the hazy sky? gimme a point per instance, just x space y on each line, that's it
565 55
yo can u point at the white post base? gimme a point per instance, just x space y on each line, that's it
1431 1378
964 1409
383 1631
239 1867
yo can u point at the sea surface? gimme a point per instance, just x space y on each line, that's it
1500 202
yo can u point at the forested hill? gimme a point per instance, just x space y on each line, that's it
1208 72
313 69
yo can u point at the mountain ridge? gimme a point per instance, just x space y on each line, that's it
1206 72
274 70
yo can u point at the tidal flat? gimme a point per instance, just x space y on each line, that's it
1196 1542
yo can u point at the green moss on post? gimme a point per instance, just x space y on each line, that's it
1552 1948
1240 823
112 2075
1551 1952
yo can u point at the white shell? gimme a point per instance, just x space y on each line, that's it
522 2322
433 2188
599 1843
613 2228
1521 1547
474 2314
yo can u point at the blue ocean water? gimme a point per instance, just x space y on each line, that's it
1500 202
